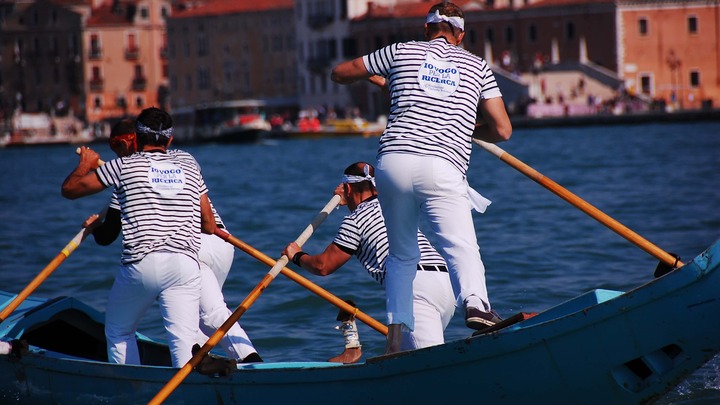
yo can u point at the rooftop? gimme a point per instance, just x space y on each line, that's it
220 7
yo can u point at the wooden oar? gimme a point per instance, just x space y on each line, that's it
249 300
583 205
100 161
48 270
371 322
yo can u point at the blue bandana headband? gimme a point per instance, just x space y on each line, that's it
436 17
144 129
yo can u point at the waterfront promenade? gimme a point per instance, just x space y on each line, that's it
612 119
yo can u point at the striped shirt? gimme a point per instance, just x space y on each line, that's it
435 88
362 233
159 199
218 220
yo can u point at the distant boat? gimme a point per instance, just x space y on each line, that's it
361 126
238 121
307 128
602 347
27 129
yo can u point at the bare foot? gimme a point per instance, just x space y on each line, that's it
349 356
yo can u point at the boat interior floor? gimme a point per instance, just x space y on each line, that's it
74 333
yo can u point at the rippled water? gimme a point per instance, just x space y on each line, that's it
662 181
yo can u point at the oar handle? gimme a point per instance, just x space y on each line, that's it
583 205
305 235
100 161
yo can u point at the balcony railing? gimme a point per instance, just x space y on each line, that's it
96 84
132 53
95 54
139 84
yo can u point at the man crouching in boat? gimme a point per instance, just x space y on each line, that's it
164 205
362 234
215 257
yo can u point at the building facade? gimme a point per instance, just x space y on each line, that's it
545 32
328 34
670 51
104 59
125 52
662 51
41 60
233 50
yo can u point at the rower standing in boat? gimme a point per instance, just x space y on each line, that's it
215 256
437 89
164 206
362 234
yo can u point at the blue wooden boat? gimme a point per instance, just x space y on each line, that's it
602 347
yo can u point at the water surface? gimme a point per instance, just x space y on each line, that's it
661 181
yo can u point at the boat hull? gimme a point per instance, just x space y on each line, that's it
603 347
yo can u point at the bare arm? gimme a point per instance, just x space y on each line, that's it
493 122
83 181
206 215
350 71
320 265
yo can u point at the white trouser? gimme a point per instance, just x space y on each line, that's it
216 258
216 254
410 186
171 278
433 308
